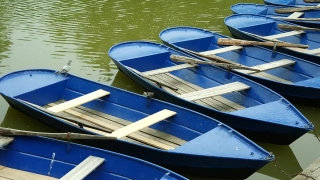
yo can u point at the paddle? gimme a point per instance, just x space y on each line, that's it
238 42
296 28
195 61
296 9
311 1
69 135
298 19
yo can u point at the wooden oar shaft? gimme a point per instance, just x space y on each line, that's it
212 57
15 132
295 9
238 42
311 1
195 61
298 19
296 28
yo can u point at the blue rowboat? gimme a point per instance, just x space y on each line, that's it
289 76
182 139
289 3
269 10
261 28
247 106
44 158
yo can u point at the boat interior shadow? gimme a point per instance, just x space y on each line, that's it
124 82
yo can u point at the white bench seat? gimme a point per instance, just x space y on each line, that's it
167 69
270 65
4 140
214 91
221 50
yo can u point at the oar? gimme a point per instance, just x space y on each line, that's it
195 61
295 28
297 19
69 135
238 42
296 9
311 1
212 57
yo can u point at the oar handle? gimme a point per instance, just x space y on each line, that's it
295 28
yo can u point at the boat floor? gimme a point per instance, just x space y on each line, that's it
15 174
156 138
217 102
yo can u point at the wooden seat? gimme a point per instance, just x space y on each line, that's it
215 91
221 50
268 66
295 15
84 168
145 122
4 140
282 35
167 69
80 100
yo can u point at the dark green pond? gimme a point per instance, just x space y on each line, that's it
46 34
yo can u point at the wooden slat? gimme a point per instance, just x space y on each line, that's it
311 172
167 69
296 14
84 168
4 140
270 65
221 50
80 100
15 174
145 122
271 77
215 91
113 128
217 99
282 35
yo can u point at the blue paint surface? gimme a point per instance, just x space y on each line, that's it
288 3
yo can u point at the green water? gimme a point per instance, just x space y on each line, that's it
46 34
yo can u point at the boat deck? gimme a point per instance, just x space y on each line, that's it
217 102
14 174
146 136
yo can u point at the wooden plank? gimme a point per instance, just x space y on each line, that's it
5 140
311 172
221 50
282 35
295 15
167 69
84 168
80 100
113 128
217 99
215 91
270 65
145 122
307 51
15 174
271 77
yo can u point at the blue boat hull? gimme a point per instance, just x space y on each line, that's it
241 35
269 10
253 126
182 157
204 40
37 154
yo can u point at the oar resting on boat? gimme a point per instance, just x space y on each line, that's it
224 65
296 28
238 42
296 9
297 19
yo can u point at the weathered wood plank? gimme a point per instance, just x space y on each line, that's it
113 128
145 122
4 140
221 50
15 174
282 35
295 15
271 77
84 168
167 69
215 91
312 170
80 100
269 66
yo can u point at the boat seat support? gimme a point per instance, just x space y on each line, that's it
215 91
84 168
145 122
78 101
5 140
